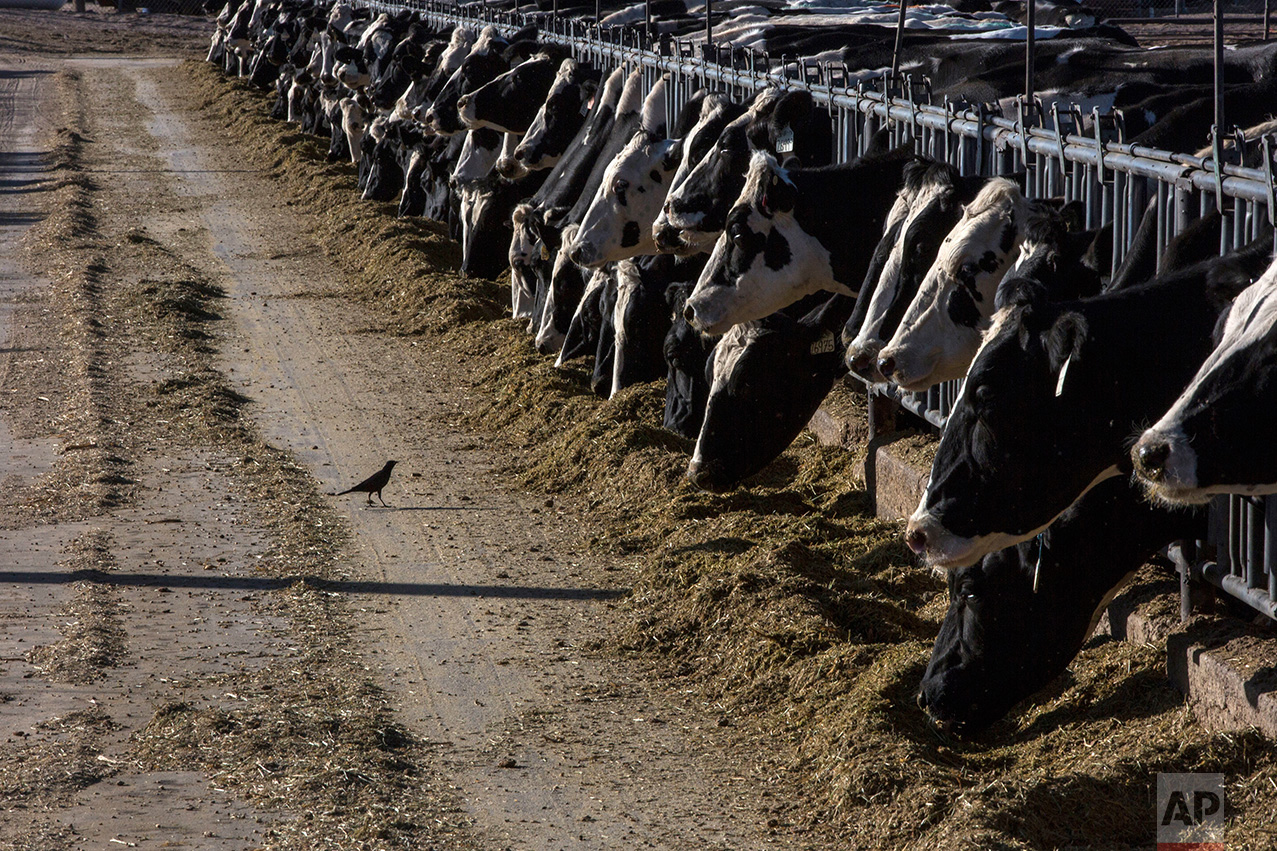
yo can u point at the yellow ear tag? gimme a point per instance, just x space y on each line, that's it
545 255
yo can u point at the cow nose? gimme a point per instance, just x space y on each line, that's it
520 154
462 103
921 700
887 365
1151 456
917 540
689 313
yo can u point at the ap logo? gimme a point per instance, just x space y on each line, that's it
1190 812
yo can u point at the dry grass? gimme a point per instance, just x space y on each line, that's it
784 602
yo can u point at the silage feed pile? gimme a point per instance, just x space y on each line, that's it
785 605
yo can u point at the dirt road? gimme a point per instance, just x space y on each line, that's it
468 612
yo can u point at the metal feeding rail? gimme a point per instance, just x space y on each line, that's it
1060 151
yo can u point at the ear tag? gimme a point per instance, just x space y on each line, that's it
785 141
825 345
585 106
1064 370
545 255
1037 568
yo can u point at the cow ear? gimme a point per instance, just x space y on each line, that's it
1016 291
1074 215
1065 340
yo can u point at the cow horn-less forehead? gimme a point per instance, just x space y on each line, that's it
763 168
997 192
489 39
922 174
764 102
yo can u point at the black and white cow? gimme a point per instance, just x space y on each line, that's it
940 331
930 204
687 353
1018 617
1213 439
789 125
510 103
767 378
618 222
557 122
786 237
1053 395
631 109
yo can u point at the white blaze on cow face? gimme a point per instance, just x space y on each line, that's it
764 261
707 125
1166 457
941 330
618 223
723 362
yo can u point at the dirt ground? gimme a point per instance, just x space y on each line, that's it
549 640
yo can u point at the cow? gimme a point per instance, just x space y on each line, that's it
940 332
786 237
633 112
1051 398
930 203
482 64
1210 440
618 223
1018 617
556 122
767 378
787 124
641 321
510 102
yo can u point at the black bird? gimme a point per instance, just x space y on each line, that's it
373 484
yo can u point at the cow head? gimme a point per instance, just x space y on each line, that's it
716 111
940 331
764 261
767 379
481 65
511 101
929 205
618 223
686 353
696 210
556 122
1209 441
1018 447
1016 620
640 321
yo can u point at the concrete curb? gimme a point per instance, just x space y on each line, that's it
1225 667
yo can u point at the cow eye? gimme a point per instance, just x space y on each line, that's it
984 394
738 234
620 186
